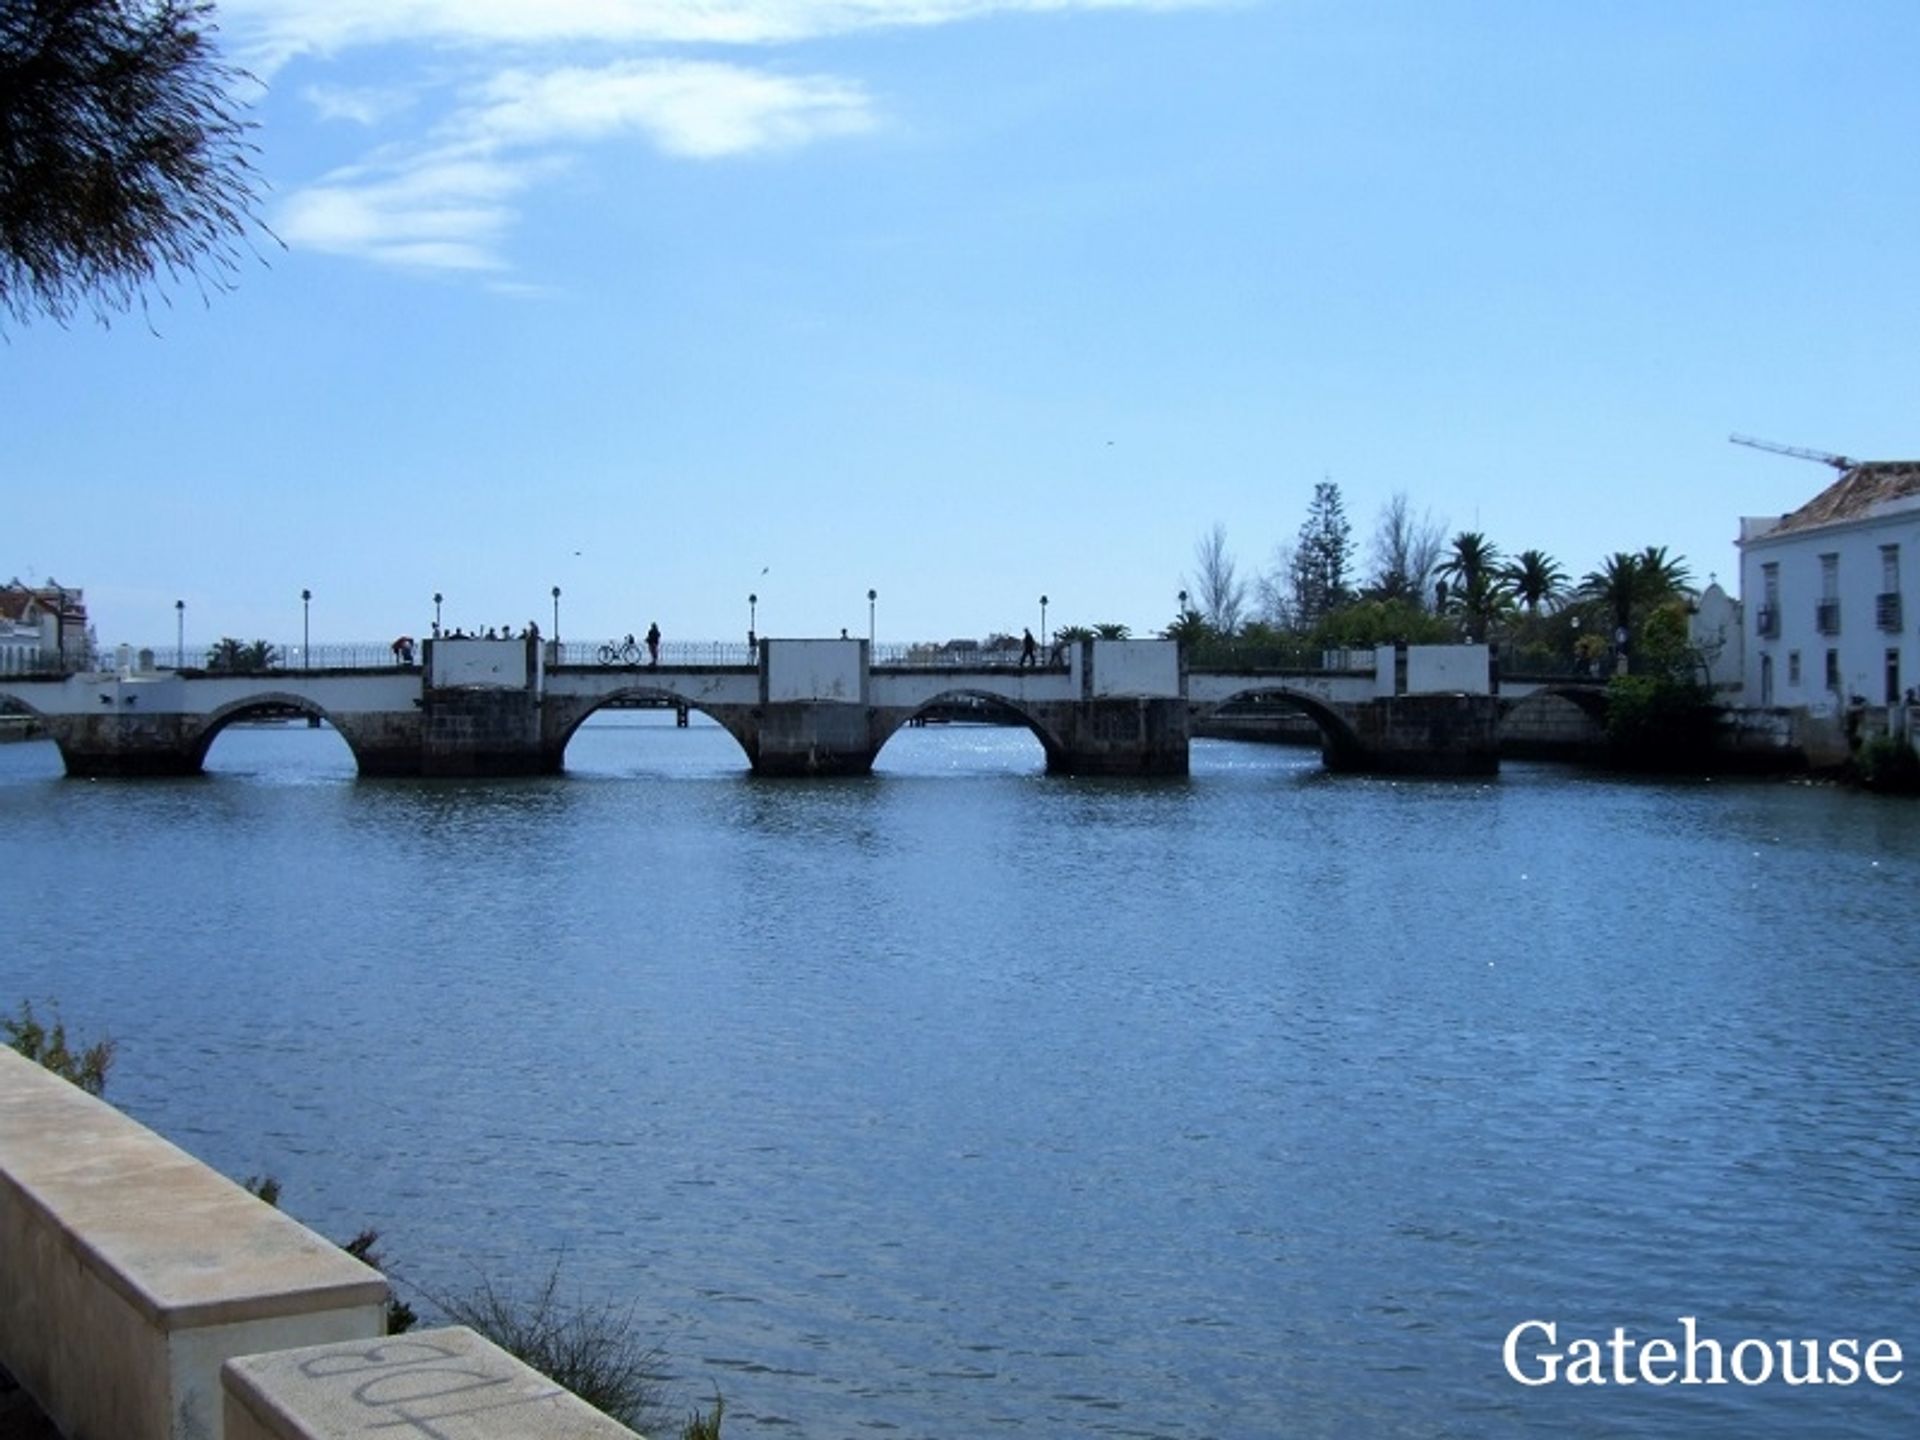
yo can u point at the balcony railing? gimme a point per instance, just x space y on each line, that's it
1767 622
1886 610
1826 617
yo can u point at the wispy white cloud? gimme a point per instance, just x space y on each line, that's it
435 211
449 202
363 105
448 198
270 32
687 108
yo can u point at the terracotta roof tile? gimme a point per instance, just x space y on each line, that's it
1857 493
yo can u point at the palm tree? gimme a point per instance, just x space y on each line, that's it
1629 587
1663 578
1110 631
1469 575
227 655
1615 587
1534 578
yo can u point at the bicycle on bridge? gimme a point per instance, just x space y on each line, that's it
624 652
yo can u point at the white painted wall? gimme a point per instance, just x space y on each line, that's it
1447 670
1714 629
832 671
1861 644
1136 669
498 664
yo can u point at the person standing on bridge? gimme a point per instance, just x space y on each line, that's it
1029 652
653 643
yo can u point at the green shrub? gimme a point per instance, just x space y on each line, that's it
1657 721
1888 763
47 1045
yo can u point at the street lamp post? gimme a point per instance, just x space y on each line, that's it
306 629
179 634
872 596
1043 622
436 612
1183 604
556 623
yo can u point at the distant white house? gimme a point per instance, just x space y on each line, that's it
1823 593
42 626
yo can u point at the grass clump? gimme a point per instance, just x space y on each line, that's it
46 1044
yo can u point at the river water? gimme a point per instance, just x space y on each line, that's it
967 1100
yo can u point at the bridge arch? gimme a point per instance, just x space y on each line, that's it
1554 722
569 715
272 702
12 700
1337 737
1590 700
889 722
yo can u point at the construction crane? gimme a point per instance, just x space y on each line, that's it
1838 462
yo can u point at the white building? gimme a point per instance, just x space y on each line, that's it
1822 591
42 626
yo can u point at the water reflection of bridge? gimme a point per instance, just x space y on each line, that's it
503 706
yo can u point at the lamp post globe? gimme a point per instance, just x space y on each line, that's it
872 596
556 620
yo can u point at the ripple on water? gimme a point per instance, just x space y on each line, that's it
964 1098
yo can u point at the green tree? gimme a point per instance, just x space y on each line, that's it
234 657
1628 587
1322 557
1366 623
1534 578
1471 574
124 158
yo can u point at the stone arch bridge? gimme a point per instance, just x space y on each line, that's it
805 707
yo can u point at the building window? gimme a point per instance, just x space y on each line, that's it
1768 620
1793 669
1886 605
1893 677
1826 616
1833 671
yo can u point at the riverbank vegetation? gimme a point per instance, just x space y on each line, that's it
1416 585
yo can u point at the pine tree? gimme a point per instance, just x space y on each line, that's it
125 161
1321 557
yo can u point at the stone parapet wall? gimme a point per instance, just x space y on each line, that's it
133 1271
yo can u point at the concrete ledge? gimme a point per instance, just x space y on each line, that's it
132 1271
449 1384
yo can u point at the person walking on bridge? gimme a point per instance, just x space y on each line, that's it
653 644
1029 652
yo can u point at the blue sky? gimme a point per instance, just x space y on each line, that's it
967 302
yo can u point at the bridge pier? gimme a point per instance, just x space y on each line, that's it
803 737
1116 736
122 746
1418 735
469 731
